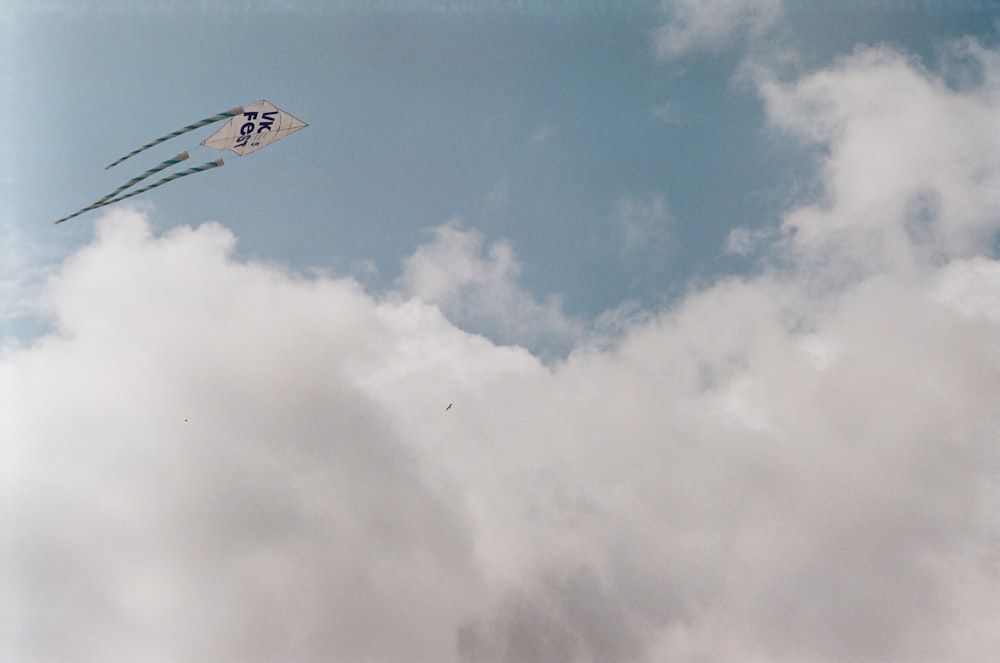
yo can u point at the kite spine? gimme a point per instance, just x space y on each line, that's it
232 112
170 178
101 202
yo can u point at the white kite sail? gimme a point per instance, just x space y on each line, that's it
260 124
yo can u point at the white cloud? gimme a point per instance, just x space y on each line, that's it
667 112
219 460
200 474
694 25
645 221
744 241
476 285
913 166
967 286
25 263
541 135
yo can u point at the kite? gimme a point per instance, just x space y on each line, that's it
260 124
249 129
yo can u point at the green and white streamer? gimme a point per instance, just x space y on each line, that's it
232 112
101 202
170 178
250 128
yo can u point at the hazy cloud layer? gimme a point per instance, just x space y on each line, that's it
709 25
646 222
218 460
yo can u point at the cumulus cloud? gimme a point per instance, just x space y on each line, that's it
912 164
25 263
476 285
210 459
699 25
199 476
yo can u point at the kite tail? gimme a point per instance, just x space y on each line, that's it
183 156
170 178
100 202
232 112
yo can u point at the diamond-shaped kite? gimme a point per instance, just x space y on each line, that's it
249 129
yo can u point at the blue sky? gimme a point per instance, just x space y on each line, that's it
526 125
566 331
530 124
